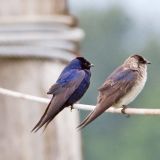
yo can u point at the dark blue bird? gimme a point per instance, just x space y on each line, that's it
71 85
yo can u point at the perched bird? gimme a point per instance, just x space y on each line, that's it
71 85
121 87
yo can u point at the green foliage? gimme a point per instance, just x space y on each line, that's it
114 136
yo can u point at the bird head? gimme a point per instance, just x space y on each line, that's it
80 63
84 63
136 61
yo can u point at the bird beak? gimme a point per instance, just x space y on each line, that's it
148 62
91 65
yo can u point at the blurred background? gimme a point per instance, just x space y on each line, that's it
38 38
114 30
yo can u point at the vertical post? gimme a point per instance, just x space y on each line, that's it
32 55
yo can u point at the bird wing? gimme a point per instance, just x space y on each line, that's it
61 93
55 88
65 80
115 87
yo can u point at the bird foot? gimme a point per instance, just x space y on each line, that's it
123 111
72 108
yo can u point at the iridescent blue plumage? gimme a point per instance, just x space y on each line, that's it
71 85
80 91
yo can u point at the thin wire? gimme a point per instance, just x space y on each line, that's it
130 111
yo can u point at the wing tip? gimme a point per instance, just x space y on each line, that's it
49 92
80 127
35 129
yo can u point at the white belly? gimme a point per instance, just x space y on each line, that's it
128 98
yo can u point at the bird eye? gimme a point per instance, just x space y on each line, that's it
142 61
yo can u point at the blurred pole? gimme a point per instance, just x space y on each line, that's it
37 39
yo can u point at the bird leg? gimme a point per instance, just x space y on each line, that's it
71 107
123 111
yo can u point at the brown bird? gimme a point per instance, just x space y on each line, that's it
121 87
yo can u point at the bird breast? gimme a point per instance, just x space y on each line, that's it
133 93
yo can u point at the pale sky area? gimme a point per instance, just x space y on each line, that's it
143 11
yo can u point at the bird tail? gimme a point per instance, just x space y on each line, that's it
92 116
47 117
86 121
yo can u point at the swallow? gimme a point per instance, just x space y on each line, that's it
71 85
120 88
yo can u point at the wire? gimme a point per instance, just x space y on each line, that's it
130 111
